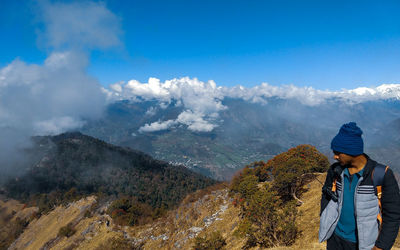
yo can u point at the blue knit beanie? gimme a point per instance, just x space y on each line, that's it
348 140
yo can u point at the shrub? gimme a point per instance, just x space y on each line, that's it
238 178
314 161
248 186
128 211
87 214
267 222
66 231
290 178
71 195
291 170
268 211
209 242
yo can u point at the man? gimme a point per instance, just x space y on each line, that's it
349 204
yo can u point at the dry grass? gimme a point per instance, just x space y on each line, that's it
308 221
43 231
13 219
397 242
192 214
166 232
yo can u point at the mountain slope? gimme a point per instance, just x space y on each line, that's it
73 164
198 215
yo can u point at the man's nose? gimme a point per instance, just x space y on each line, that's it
336 157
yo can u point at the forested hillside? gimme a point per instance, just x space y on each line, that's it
72 165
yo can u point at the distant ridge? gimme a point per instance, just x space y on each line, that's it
244 131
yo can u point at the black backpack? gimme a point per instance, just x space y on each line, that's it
377 177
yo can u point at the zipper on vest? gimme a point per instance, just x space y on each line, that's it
340 203
355 197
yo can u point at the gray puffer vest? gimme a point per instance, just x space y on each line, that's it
366 211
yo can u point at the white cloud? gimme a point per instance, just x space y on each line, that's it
193 94
260 94
57 95
151 111
363 94
56 125
202 101
310 96
157 126
34 95
44 99
151 90
117 87
31 94
195 121
206 97
82 24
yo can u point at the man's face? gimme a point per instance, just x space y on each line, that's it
342 158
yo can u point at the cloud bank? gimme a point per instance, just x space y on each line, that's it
57 95
202 101
59 90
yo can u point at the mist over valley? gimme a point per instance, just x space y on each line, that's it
246 131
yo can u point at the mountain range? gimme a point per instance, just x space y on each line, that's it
244 131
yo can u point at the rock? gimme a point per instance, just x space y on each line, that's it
196 229
162 236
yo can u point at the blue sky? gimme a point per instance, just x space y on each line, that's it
323 44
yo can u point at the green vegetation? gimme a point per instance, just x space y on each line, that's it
87 214
267 221
130 212
74 165
267 194
47 201
213 241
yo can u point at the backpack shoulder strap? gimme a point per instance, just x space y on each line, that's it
378 174
377 178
